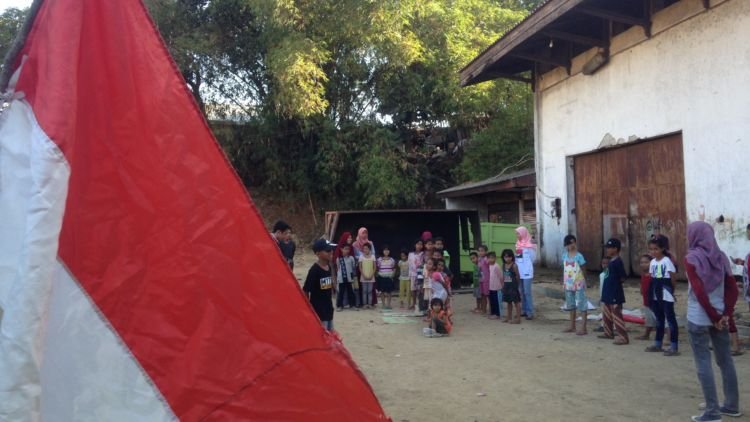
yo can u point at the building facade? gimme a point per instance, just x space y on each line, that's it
641 133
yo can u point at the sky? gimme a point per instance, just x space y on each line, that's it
4 4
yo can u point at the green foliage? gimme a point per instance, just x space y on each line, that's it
11 21
323 98
383 175
506 144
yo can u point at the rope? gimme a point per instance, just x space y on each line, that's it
18 44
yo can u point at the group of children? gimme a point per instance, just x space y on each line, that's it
508 283
359 278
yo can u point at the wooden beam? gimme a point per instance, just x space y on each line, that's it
541 59
643 22
575 38
500 75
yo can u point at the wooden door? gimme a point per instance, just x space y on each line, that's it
631 193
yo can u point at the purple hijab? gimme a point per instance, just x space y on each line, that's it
711 264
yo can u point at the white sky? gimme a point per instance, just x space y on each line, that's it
4 4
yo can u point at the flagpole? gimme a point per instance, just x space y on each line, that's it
18 43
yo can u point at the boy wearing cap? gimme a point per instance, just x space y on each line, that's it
613 295
319 284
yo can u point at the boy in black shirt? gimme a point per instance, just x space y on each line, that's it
319 284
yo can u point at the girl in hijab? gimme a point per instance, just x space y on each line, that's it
712 294
362 239
525 255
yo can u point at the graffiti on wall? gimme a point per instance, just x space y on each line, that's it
727 228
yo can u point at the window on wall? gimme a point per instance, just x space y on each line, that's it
503 212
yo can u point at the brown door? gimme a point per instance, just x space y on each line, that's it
631 193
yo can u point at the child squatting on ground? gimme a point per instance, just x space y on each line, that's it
574 284
440 320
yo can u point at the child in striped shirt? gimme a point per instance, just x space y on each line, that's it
386 271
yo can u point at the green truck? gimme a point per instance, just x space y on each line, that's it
497 237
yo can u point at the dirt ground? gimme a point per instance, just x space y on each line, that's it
491 371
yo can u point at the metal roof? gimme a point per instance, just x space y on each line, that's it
502 182
554 33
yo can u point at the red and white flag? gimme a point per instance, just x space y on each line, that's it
137 281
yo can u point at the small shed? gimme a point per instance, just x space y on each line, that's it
505 198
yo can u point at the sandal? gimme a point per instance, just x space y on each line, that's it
653 348
671 352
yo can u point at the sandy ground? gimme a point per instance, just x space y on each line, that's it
491 371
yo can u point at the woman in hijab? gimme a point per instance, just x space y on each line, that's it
712 295
362 239
525 255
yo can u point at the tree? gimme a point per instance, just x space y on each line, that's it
11 21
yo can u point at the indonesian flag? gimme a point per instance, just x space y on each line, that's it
137 281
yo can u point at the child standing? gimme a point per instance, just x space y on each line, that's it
476 275
648 315
386 270
440 320
446 279
367 266
525 255
319 283
602 276
404 292
511 293
574 284
745 263
429 268
484 282
613 295
661 295
416 278
345 268
438 288
496 283
440 247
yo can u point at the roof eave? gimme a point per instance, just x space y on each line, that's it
545 15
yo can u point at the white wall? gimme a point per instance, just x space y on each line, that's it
693 77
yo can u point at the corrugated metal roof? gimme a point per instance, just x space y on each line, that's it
500 178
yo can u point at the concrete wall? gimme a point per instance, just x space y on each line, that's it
692 76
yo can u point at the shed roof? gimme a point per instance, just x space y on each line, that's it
557 31
502 182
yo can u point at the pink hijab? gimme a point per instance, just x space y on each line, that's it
711 264
362 239
524 240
